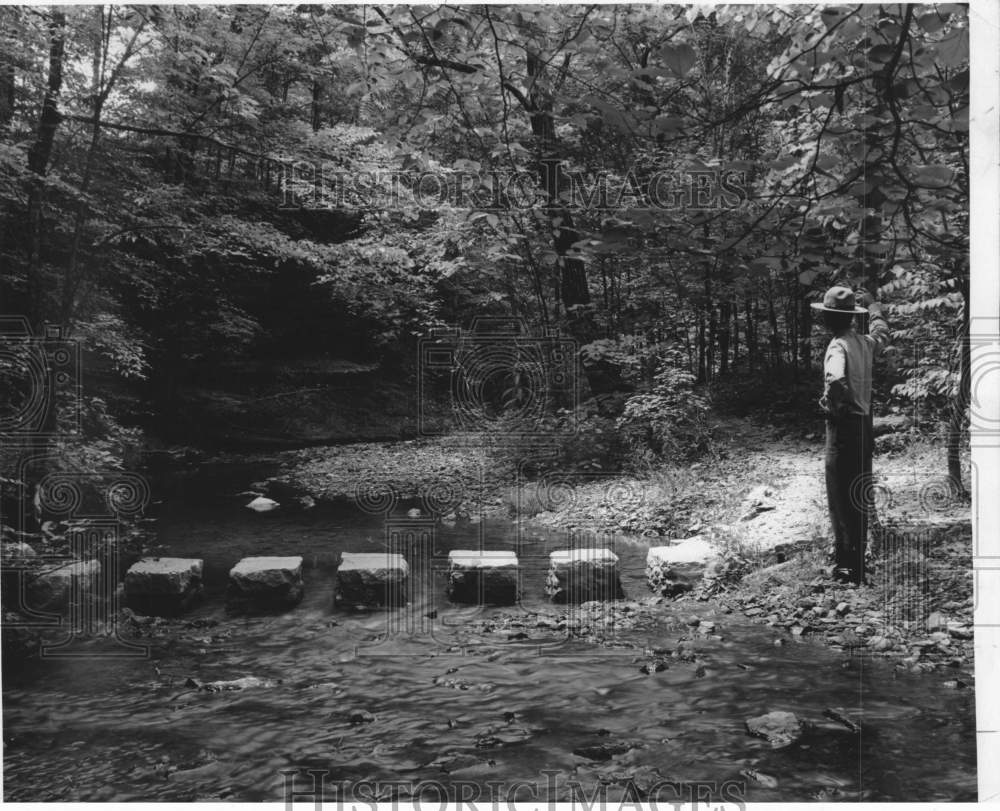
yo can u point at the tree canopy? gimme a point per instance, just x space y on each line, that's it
185 187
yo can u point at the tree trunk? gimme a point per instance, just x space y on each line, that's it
724 308
805 331
775 339
316 111
736 337
960 403
38 162
7 78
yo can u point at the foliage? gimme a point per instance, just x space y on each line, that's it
645 179
669 420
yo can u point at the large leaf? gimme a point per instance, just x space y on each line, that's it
679 58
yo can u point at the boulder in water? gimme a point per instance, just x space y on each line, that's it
62 584
266 582
262 504
582 575
163 586
14 552
369 579
476 576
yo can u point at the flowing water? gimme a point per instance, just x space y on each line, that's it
471 702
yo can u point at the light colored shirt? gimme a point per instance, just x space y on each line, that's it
847 367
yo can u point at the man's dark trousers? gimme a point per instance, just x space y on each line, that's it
849 446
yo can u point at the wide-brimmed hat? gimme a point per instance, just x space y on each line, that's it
839 300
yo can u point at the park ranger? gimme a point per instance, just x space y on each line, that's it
846 403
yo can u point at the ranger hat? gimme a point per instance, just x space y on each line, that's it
839 300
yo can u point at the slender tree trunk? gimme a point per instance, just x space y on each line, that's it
736 337
724 336
316 111
805 331
701 347
775 339
38 162
960 403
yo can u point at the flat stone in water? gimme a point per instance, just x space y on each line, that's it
369 579
674 569
582 575
483 577
266 582
163 586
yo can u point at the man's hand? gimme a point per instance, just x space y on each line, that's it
864 298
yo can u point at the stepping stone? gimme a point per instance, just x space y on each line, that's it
163 586
674 569
582 575
265 582
369 579
476 576
62 584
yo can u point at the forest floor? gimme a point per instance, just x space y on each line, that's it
758 496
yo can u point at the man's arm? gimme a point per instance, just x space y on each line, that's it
878 327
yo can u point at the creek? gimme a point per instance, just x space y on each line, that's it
452 696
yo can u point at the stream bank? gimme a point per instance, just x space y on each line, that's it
224 703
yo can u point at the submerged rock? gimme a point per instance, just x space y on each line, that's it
755 776
229 685
603 751
779 728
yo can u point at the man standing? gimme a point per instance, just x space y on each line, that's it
846 402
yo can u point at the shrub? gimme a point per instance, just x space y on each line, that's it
670 421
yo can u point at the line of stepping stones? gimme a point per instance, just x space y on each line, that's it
170 585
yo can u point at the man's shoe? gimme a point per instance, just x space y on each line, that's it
844 575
